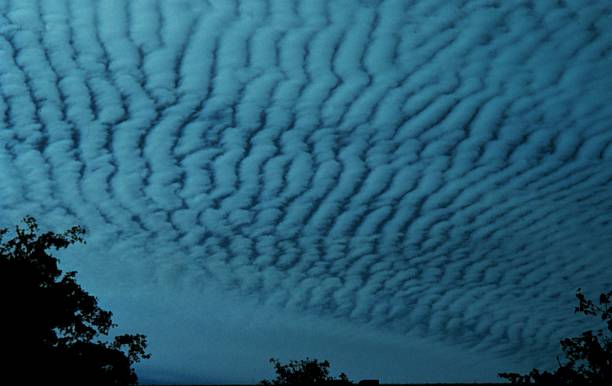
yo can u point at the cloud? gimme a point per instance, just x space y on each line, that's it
436 171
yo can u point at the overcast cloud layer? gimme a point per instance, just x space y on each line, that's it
433 174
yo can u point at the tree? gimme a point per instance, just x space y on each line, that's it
50 327
588 357
304 372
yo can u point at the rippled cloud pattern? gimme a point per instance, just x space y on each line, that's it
440 169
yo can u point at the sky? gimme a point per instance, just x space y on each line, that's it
411 189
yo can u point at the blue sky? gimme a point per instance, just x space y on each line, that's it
413 190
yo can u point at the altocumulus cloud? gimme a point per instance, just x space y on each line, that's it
413 179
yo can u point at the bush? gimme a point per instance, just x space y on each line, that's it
304 372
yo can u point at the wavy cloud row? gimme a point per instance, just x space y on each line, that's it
440 169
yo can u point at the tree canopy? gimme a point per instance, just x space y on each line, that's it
304 372
52 329
588 357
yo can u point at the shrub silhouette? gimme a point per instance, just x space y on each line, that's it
49 323
304 372
588 356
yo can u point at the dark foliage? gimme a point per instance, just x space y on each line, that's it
588 357
304 372
50 326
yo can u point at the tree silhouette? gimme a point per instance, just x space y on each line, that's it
588 356
50 326
304 372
